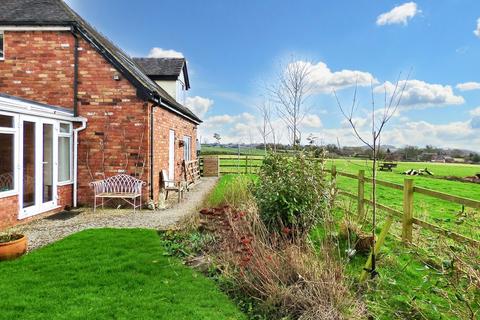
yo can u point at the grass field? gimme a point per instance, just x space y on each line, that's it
232 151
108 274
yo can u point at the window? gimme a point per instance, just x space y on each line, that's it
180 92
65 153
187 148
7 153
1 46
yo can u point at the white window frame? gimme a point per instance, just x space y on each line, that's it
14 132
187 144
3 41
69 135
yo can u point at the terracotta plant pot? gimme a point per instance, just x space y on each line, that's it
13 249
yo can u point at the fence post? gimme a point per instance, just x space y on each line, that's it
361 195
246 163
334 172
407 225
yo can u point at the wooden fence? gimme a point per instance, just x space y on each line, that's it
251 164
406 216
237 164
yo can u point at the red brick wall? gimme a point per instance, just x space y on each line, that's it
65 195
116 139
38 65
8 211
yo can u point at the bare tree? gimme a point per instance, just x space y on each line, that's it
289 91
265 128
372 141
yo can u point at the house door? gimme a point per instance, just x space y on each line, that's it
38 166
171 156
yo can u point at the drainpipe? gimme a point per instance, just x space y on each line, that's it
75 77
75 157
151 152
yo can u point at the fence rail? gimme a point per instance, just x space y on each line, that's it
238 164
406 216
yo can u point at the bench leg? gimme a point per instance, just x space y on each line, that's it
134 204
94 204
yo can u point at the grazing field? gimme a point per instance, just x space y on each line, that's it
207 149
108 274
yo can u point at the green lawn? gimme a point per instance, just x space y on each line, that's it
108 274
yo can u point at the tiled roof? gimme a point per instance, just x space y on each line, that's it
161 66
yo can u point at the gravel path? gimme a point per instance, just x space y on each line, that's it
45 231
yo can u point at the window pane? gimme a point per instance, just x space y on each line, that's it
47 193
6 121
64 128
6 162
29 161
1 45
186 148
64 159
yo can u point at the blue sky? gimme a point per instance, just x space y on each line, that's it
234 47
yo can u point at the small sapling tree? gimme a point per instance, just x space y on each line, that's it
372 141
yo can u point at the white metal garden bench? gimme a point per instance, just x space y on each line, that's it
121 186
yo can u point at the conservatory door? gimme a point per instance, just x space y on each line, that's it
38 167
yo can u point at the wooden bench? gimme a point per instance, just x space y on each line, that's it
192 172
387 166
121 186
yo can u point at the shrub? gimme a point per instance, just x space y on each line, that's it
292 193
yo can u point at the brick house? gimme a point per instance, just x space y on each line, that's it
75 108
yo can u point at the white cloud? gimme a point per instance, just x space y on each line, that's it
312 121
216 121
239 128
323 80
164 53
420 94
477 30
199 105
457 134
475 112
399 15
466 86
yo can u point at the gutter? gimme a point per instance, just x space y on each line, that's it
75 158
178 112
